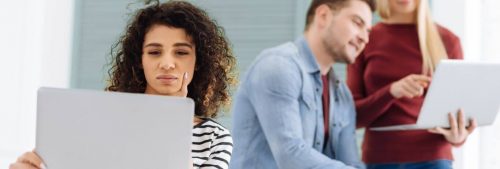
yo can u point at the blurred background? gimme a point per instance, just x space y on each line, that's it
66 43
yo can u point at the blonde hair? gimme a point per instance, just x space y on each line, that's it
431 44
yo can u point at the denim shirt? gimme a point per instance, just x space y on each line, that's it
278 114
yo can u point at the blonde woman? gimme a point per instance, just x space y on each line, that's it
388 82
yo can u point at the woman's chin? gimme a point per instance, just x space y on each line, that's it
164 91
167 92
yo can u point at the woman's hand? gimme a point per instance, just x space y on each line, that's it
184 89
458 133
28 160
410 86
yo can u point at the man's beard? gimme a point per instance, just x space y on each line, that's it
336 54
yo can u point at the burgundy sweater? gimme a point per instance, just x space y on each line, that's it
393 53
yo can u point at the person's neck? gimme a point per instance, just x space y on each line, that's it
401 19
196 120
324 60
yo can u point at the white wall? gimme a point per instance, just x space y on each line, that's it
489 146
36 51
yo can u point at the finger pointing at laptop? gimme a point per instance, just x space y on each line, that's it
410 86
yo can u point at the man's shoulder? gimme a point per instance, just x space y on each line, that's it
282 52
277 65
281 56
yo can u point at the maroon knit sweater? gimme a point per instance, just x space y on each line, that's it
393 53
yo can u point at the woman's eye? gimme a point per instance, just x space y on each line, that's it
156 53
181 53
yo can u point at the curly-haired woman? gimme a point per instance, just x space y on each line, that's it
175 49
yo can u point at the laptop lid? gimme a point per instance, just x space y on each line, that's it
82 129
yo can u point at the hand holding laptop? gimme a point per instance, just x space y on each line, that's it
29 160
458 132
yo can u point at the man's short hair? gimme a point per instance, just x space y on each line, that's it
333 4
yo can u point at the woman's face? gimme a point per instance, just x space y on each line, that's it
167 54
403 6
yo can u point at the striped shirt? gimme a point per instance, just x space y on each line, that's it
211 145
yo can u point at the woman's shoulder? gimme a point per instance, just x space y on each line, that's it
211 132
446 34
211 126
378 28
451 42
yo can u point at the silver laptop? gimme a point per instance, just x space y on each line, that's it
472 86
83 129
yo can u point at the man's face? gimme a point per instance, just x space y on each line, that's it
346 31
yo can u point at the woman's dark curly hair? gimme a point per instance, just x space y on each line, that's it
213 76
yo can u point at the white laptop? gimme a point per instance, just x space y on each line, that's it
472 86
83 129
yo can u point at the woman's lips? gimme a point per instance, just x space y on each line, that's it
403 2
167 79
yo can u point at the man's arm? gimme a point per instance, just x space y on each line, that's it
348 149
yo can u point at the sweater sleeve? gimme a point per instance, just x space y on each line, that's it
451 43
368 107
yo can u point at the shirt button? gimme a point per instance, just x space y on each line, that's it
317 143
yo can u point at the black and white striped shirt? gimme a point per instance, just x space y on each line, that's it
211 145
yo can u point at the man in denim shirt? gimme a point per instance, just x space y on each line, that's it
291 111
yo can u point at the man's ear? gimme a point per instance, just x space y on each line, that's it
321 15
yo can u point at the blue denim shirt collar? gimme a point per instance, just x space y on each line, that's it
310 63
